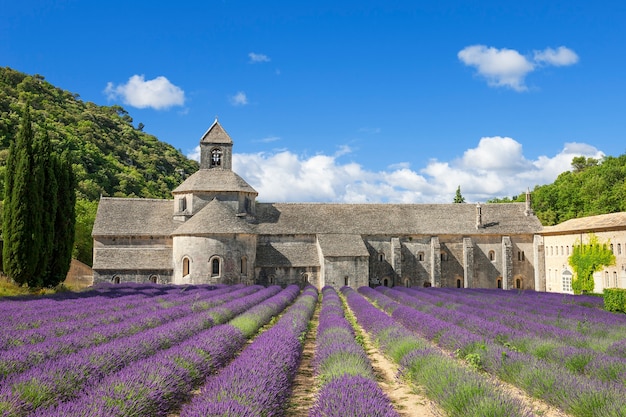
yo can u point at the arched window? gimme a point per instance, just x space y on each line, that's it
386 282
567 250
612 248
154 279
619 248
518 283
614 279
346 281
606 279
407 283
116 279
566 278
420 256
185 266
244 265
381 257
492 256
458 283
444 255
499 283
215 267
216 157
305 278
271 279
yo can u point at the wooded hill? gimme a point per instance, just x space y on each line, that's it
112 157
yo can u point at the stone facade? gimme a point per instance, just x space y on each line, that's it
214 231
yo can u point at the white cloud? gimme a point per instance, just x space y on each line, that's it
268 139
158 93
255 58
496 167
508 68
560 57
239 99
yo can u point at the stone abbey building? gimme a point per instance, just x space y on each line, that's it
214 231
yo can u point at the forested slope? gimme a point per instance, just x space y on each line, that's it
111 156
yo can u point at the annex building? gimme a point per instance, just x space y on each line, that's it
214 231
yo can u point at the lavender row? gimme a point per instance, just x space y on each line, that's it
34 312
549 347
59 380
258 382
348 387
158 384
21 358
117 313
458 390
578 395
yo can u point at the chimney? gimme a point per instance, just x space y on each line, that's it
528 211
479 216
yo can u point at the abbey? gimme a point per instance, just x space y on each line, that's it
214 231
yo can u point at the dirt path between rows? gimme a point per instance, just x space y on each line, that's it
304 387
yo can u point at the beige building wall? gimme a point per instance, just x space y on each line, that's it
559 273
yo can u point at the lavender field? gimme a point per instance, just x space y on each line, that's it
158 350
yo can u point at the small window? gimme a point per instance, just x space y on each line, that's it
381 257
619 248
520 255
182 204
244 265
271 279
606 279
444 255
612 248
499 283
614 279
116 279
518 283
386 282
216 157
154 279
305 278
185 266
566 278
458 283
346 281
567 250
407 283
492 256
215 267
420 256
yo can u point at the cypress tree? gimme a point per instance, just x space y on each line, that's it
22 216
45 175
64 222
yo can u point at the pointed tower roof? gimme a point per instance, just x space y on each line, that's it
216 134
215 218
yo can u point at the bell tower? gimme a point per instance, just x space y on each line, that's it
216 148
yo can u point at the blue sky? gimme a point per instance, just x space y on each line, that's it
393 101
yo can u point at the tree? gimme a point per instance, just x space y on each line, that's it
38 211
22 229
458 198
586 259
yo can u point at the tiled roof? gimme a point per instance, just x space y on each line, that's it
133 258
214 180
284 254
583 224
214 218
342 245
393 219
134 217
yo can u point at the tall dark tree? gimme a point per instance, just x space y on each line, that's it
22 227
38 214
45 172
64 222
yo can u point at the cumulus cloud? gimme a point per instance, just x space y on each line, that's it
158 93
508 68
560 57
495 168
256 58
239 99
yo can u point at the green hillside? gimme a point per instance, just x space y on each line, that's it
112 157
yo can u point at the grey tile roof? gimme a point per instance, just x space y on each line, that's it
134 217
393 219
214 180
611 221
216 134
214 218
281 254
125 258
342 245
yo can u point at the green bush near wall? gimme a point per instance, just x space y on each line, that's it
615 300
